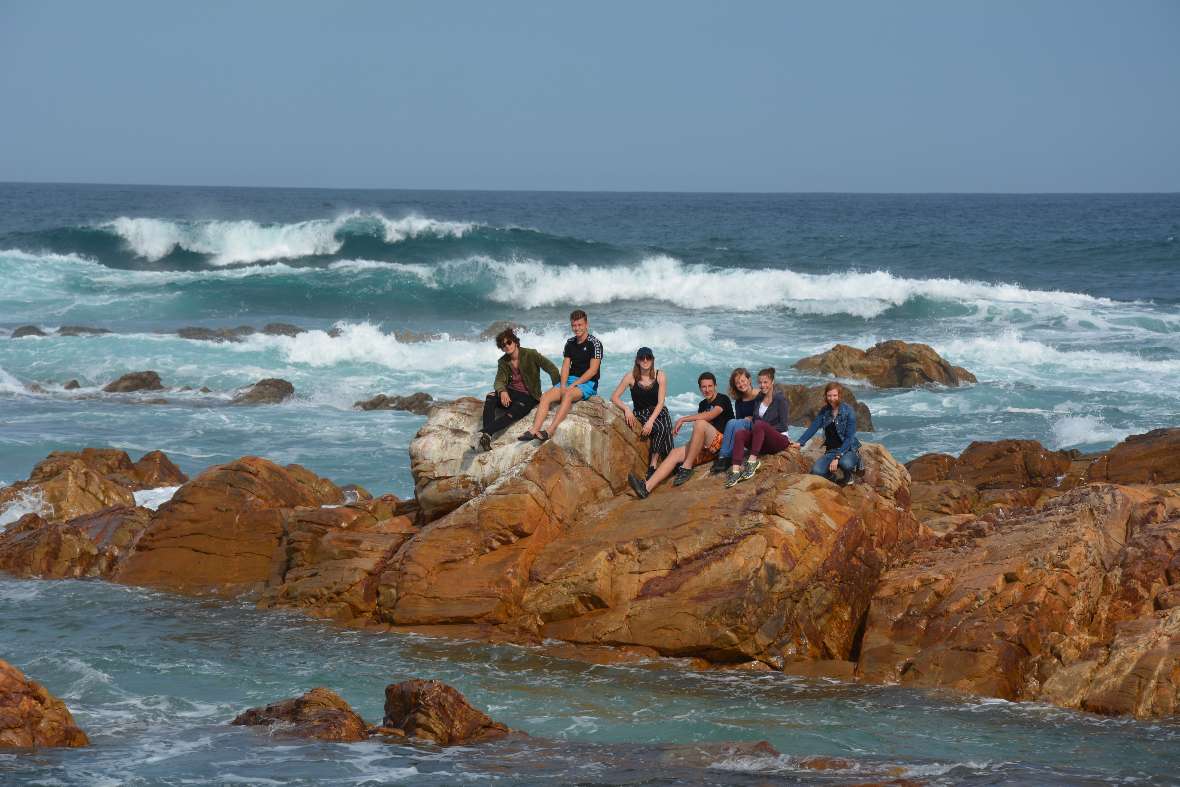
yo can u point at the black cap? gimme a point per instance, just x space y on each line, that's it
644 352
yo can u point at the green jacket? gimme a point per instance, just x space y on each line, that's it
531 364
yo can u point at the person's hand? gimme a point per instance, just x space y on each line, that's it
647 430
629 414
676 426
833 465
505 399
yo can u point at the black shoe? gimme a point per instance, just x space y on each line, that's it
719 465
485 442
637 485
682 475
542 435
526 436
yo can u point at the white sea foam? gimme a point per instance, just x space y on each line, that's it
1085 430
9 384
230 242
28 501
154 498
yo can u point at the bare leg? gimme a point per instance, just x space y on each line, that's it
702 432
573 394
666 467
547 400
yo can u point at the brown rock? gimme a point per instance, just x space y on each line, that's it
69 484
268 391
891 364
282 329
320 713
1152 458
215 334
80 330
88 546
930 467
433 711
705 755
1009 464
493 330
27 330
31 717
417 403
804 403
155 469
942 498
72 385
223 532
135 381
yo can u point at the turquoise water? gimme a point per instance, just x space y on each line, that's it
1067 308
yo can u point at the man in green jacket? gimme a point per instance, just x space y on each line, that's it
518 386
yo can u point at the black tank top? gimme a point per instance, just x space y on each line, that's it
645 398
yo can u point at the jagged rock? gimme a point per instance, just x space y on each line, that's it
494 329
68 485
86 546
1152 458
27 330
930 467
1054 604
32 717
891 364
1009 464
155 469
268 391
417 403
72 385
135 381
222 532
320 713
433 711
80 330
282 329
804 403
414 337
215 334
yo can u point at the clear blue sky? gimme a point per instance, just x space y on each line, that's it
684 96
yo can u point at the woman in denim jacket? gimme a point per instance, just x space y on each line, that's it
841 448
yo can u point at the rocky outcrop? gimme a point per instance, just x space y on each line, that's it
417 403
320 713
1152 458
215 334
80 330
72 385
892 364
223 532
135 381
493 330
87 546
27 330
433 711
1058 604
269 391
31 717
282 329
805 402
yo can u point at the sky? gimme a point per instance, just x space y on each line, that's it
1003 96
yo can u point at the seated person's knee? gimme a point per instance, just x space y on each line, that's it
821 466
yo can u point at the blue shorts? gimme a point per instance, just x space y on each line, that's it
589 388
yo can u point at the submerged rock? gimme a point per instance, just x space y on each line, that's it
269 391
216 334
494 329
417 403
80 330
27 330
135 381
31 717
414 337
72 385
282 329
891 364
805 402
433 711
320 713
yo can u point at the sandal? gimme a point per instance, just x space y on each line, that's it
542 435
526 436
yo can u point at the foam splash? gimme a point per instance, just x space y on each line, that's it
9 384
28 501
244 241
154 498
1077 430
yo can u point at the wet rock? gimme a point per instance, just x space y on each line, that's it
1009 464
27 330
72 385
155 469
931 467
320 713
223 532
80 330
135 381
433 711
31 717
706 755
891 364
1152 458
216 334
805 402
417 403
413 337
88 546
269 391
494 329
282 329
204 389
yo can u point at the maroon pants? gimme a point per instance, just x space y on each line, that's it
762 439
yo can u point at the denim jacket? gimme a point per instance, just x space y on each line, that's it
845 427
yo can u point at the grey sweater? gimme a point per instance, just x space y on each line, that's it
776 414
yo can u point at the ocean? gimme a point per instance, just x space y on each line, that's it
1066 308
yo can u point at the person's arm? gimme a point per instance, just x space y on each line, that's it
565 373
811 430
617 399
782 415
662 382
501 383
846 446
550 367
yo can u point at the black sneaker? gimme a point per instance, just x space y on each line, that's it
485 442
637 485
719 465
682 475
526 436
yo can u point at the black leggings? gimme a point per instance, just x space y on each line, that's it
521 405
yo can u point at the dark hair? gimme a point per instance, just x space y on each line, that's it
831 387
505 336
741 371
706 376
578 314
636 371
767 372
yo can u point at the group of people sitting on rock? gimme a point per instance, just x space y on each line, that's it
731 431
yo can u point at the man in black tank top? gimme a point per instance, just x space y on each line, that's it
579 377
